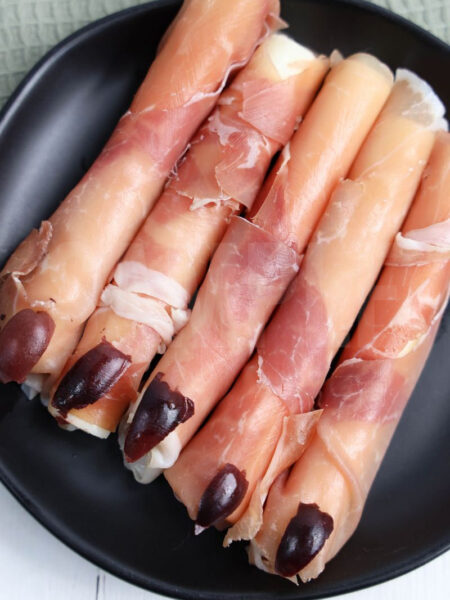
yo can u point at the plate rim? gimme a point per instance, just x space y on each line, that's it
7 112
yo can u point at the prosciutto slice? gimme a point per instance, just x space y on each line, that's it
232 309
349 247
247 277
363 400
294 353
61 270
220 174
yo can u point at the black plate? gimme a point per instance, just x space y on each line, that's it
50 131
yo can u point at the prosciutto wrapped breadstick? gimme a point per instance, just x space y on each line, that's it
252 267
222 172
51 283
342 261
313 510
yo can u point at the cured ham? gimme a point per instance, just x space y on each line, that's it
342 261
60 269
253 266
313 510
146 302
248 273
244 425
350 245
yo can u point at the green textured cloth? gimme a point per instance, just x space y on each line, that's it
28 28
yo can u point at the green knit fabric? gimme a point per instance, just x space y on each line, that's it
28 28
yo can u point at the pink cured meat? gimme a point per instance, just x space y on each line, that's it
247 276
347 251
249 420
296 183
221 173
295 351
113 198
364 399
316 163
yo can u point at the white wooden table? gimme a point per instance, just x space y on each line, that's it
34 565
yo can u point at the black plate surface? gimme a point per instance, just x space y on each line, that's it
50 131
